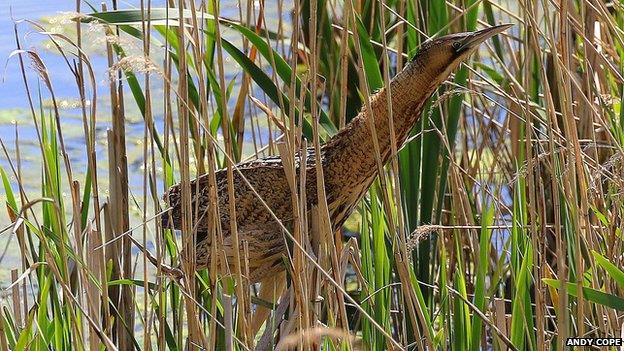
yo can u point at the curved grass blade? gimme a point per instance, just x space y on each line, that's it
157 16
614 272
283 69
593 295
264 82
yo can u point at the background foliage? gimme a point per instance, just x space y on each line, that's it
498 226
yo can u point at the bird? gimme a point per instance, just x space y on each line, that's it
349 166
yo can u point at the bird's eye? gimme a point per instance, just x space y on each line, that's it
456 45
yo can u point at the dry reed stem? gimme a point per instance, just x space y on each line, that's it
561 156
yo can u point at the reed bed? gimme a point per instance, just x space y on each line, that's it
497 227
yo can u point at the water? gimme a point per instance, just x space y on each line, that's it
15 116
11 96
14 107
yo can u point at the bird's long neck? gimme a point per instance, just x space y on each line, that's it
350 155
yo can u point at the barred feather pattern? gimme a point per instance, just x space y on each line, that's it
349 168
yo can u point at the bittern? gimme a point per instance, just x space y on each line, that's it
349 165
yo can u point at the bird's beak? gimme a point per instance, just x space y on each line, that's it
476 38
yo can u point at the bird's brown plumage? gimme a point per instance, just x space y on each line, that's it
349 165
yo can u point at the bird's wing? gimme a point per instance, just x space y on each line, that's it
267 178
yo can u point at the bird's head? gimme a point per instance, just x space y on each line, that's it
442 55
